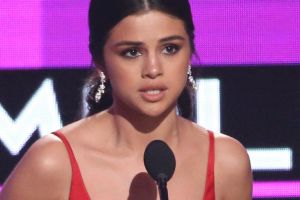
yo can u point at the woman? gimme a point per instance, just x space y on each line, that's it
142 51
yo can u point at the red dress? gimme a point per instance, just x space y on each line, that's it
79 192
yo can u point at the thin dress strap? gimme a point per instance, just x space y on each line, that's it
77 190
210 174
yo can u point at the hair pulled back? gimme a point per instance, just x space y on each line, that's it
104 15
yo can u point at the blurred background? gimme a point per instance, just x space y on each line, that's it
247 72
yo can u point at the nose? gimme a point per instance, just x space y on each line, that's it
152 67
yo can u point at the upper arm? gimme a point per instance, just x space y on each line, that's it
233 170
42 173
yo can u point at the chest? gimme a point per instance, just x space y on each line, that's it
132 182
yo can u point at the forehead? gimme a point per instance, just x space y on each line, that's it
154 24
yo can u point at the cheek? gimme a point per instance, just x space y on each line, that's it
114 70
179 71
117 78
182 75
177 79
121 79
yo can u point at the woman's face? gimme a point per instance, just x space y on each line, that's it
146 58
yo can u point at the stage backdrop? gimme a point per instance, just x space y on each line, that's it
247 70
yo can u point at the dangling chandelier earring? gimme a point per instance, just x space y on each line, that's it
101 87
191 78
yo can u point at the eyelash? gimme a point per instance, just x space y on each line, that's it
169 49
126 53
174 49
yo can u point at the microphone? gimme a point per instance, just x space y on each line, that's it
160 163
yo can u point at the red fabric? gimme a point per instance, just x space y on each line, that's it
79 192
210 174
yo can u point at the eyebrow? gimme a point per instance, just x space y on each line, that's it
138 43
173 37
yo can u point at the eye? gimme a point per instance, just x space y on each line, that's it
171 49
131 53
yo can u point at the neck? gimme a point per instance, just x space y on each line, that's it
135 131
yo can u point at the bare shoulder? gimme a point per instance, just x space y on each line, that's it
47 154
45 164
232 167
230 149
233 176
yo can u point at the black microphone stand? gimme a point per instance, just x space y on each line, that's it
162 186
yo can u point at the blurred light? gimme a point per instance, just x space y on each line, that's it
271 159
276 189
40 112
208 103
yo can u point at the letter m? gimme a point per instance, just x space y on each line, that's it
41 111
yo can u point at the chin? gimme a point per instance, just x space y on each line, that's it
158 112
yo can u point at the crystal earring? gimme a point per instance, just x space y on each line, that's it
191 78
101 87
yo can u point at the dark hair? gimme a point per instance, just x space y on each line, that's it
104 15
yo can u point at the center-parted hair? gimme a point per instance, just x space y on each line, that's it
105 15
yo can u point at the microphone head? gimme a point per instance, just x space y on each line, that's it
159 161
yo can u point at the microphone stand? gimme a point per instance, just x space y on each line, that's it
162 186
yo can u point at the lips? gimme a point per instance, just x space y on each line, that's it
152 94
